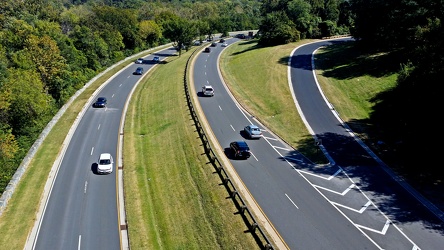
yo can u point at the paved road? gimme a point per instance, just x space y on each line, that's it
82 208
377 202
313 207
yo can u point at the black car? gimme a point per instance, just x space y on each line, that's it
240 149
139 71
207 49
100 103
213 44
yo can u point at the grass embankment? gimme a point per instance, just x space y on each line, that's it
18 218
350 80
174 199
184 205
257 77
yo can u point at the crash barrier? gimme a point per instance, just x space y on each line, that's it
243 210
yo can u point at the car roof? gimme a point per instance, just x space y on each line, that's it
101 98
242 144
253 126
105 156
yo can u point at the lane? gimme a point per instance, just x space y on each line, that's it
298 211
384 207
81 211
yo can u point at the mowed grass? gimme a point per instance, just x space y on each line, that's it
174 198
350 79
19 216
257 77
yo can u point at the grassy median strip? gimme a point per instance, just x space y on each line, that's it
257 77
174 198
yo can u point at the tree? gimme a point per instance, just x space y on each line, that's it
120 20
180 31
92 45
29 103
8 144
277 29
299 11
150 32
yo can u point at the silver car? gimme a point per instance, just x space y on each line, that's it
253 131
207 90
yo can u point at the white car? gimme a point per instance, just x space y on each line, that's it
207 90
105 164
224 44
139 61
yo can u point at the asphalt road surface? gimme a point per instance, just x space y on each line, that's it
350 204
82 209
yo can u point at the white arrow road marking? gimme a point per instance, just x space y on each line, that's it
316 175
286 149
363 208
331 191
292 159
383 231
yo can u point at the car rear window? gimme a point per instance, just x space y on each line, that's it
243 145
105 161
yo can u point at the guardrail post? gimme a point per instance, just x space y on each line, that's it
233 194
226 180
253 227
242 209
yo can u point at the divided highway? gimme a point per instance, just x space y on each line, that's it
349 204
82 209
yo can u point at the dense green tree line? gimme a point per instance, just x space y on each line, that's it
413 31
50 48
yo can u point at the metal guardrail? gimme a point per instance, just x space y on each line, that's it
248 217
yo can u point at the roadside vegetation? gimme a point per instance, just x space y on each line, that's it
174 197
353 82
257 76
18 218
50 49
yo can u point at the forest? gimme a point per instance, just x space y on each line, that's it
50 48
